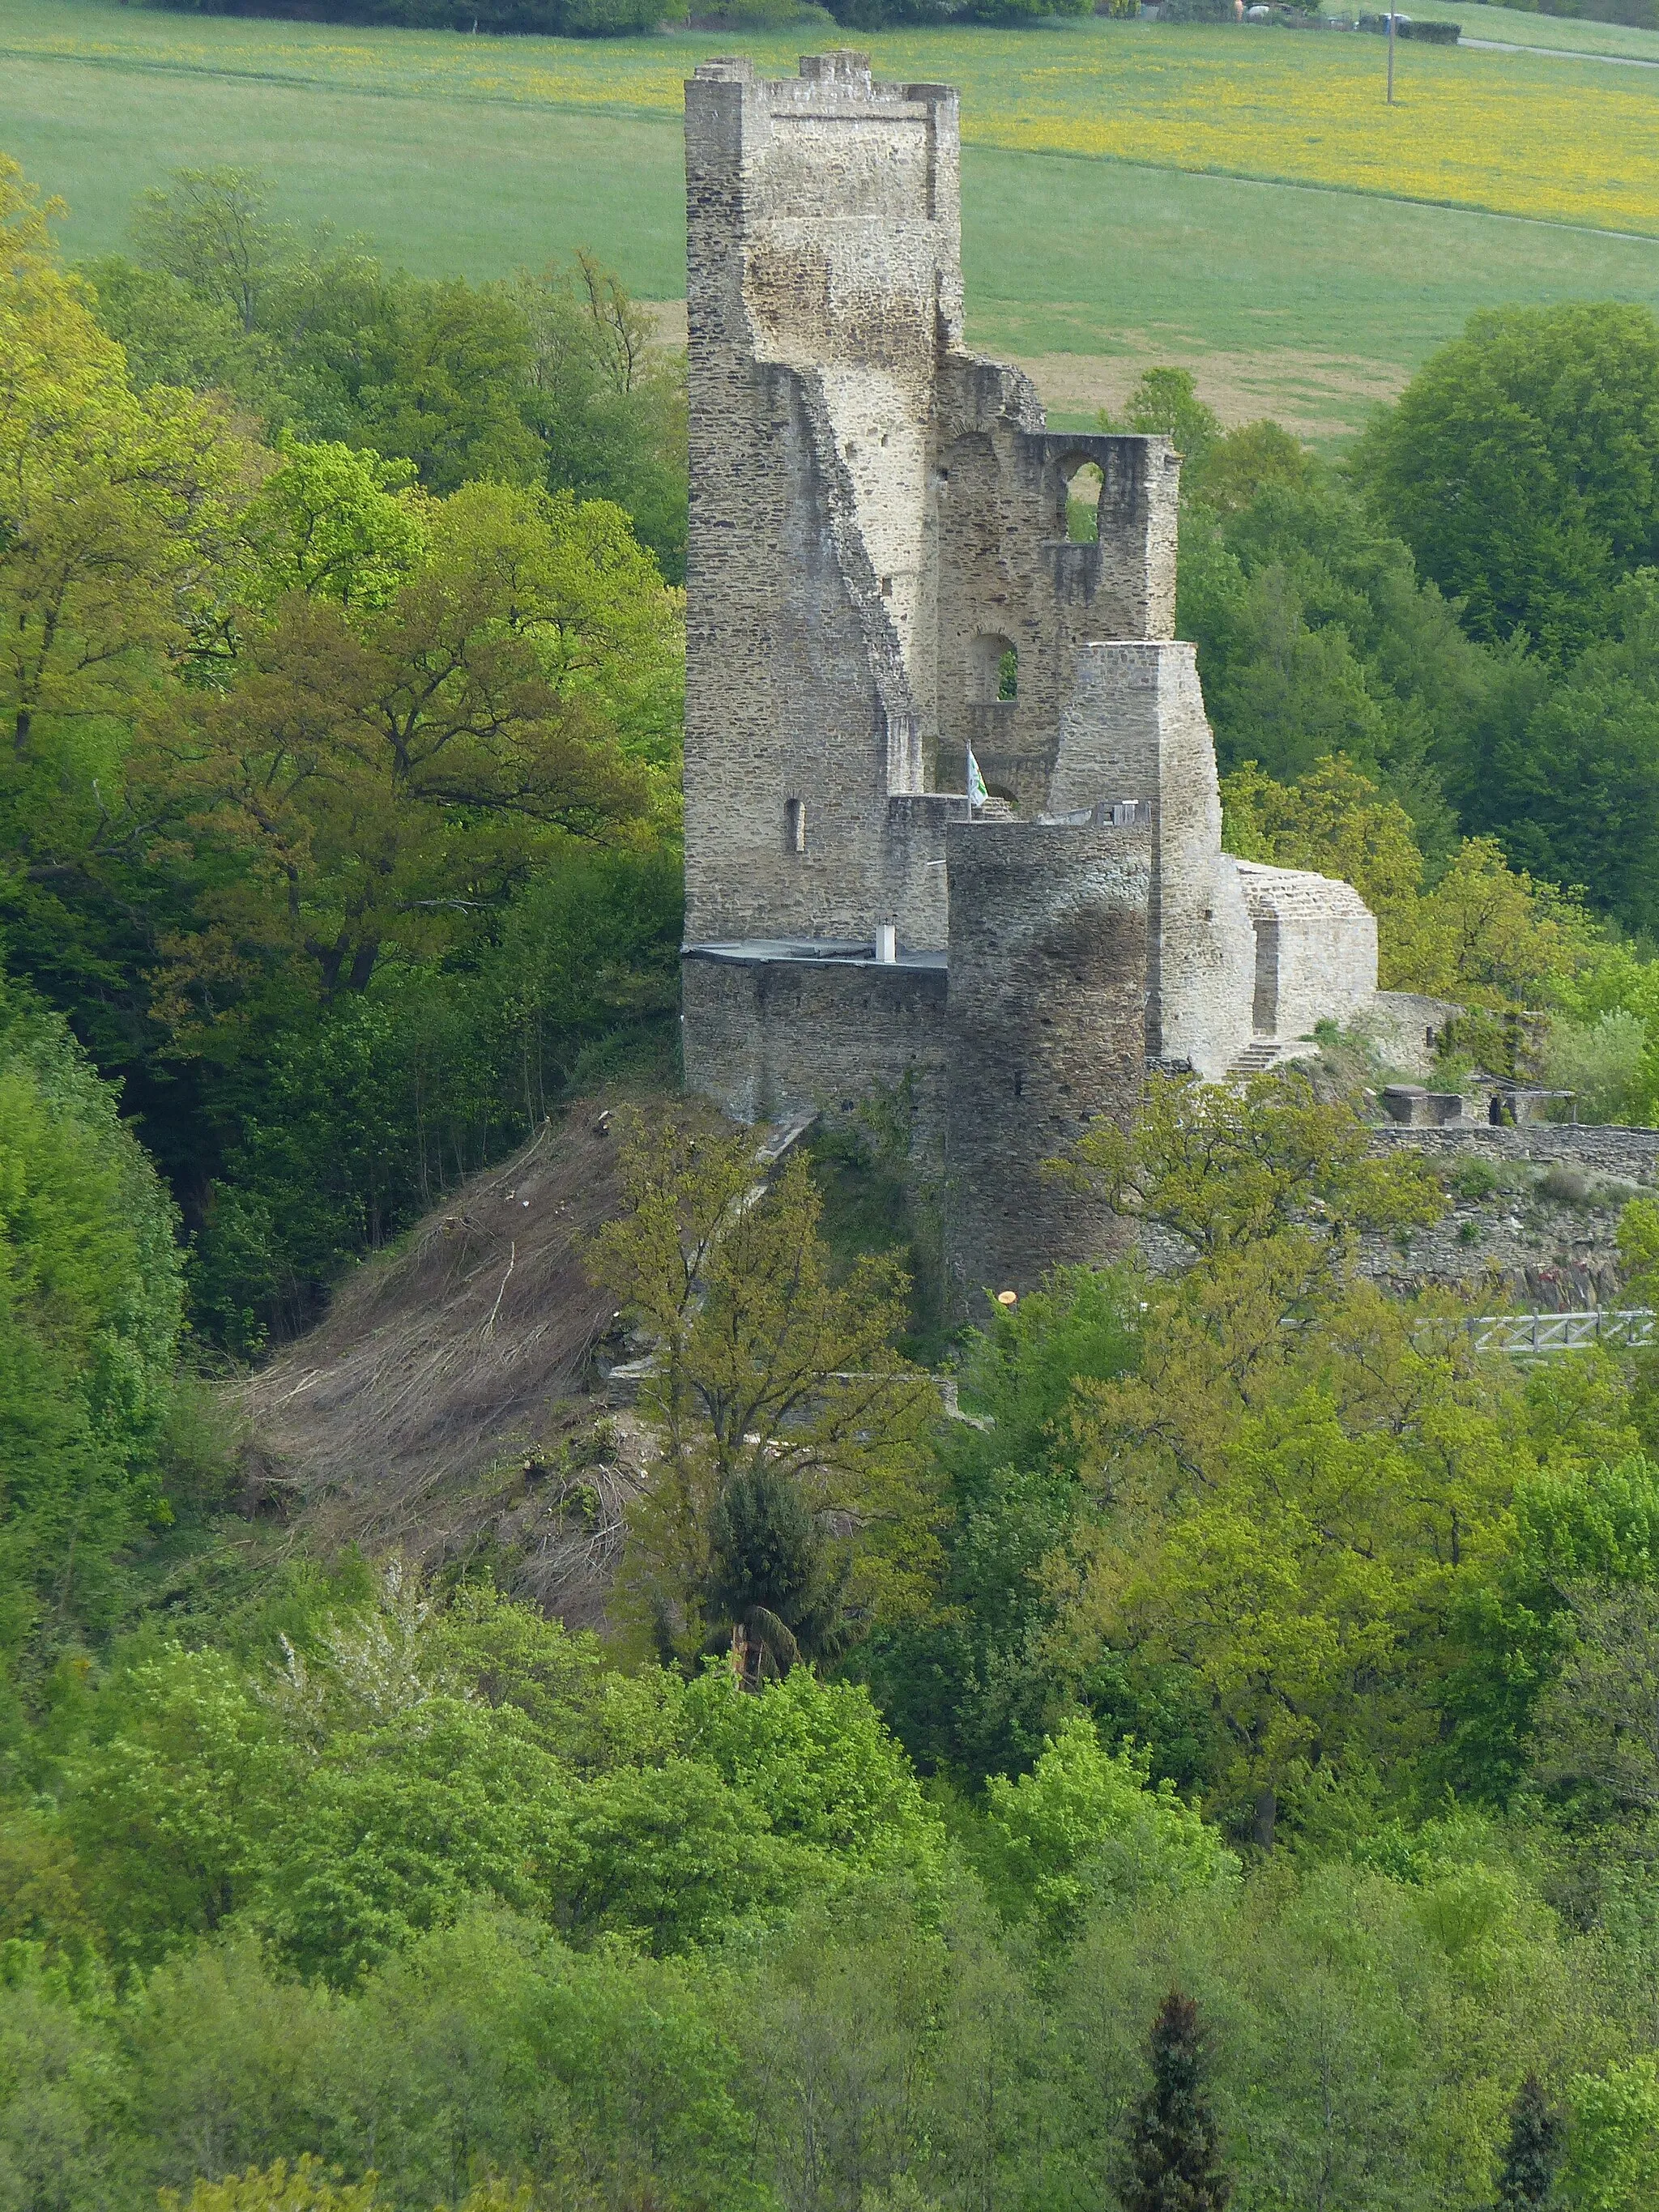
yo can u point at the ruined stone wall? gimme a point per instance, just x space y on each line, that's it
766 1034
1316 949
1008 571
1632 1155
871 510
822 275
1134 727
877 516
1408 1029
1046 1032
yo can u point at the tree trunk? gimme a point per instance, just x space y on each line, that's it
1267 1815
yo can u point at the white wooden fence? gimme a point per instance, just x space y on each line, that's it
1530 1335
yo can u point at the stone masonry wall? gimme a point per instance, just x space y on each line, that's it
1046 1032
1134 727
1632 1155
766 1034
822 273
1316 949
873 511
878 519
1007 569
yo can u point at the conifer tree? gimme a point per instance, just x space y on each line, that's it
1534 2151
1175 2164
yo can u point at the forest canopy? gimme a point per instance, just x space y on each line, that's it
1196 1745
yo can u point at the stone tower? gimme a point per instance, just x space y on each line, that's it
884 574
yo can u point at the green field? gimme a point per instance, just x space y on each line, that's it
1520 27
478 156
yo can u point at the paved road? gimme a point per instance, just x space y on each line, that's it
1560 53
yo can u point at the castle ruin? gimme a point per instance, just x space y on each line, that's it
883 586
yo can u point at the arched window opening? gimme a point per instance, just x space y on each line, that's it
1083 483
794 825
993 670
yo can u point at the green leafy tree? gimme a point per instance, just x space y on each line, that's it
772 1590
401 1825
1612 2156
1521 465
1316 634
608 403
212 230
90 1309
1165 402
1225 1166
336 525
171 1810
1338 822
1299 1477
172 335
1173 2155
381 776
763 1367
1084 1827
1597 1729
1570 784
1225 473
818 1760
669 1856
972 1685
448 368
115 504
1602 1062
1575 1529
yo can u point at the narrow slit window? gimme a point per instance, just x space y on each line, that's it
794 825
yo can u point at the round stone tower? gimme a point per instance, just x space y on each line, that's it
1046 1018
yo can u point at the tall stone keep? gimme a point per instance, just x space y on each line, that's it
895 568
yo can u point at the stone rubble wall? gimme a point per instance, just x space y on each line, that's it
1630 1155
1048 976
767 1035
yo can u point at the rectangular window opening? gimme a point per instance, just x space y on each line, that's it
794 825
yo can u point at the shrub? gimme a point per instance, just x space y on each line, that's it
1085 1827
1600 1061
1473 1180
1567 1186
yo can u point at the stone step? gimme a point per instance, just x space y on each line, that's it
1270 1052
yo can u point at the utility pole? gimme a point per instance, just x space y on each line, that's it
1391 52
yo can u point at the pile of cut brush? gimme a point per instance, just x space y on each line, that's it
445 1404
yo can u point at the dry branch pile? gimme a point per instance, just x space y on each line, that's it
442 1404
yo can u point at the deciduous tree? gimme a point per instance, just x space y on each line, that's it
767 1373
1522 466
379 777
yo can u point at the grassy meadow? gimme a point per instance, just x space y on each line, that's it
1242 201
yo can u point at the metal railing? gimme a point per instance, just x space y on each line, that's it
1533 1334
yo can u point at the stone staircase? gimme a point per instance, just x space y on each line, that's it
1263 1053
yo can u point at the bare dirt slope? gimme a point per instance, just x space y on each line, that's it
444 1405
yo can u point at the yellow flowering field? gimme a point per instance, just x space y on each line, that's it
1566 141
